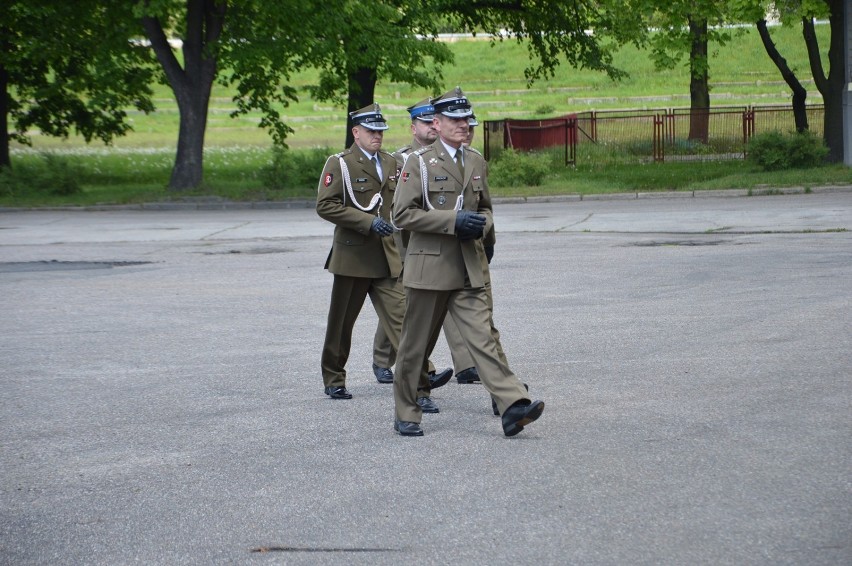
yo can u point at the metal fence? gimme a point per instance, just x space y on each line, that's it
674 134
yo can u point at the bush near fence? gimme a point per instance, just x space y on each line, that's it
626 136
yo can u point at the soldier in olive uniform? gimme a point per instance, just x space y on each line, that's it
384 354
356 194
442 199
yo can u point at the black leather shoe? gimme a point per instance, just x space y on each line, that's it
427 405
520 414
338 392
440 378
383 375
469 375
494 403
405 428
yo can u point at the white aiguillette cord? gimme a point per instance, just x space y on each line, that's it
347 187
424 177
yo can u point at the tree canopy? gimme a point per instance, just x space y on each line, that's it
68 67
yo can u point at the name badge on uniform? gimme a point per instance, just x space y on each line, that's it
441 199
362 180
440 178
477 177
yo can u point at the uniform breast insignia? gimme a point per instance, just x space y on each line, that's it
405 176
441 178
441 200
329 177
361 180
433 161
477 177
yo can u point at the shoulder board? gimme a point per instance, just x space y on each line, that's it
382 151
474 150
403 150
341 154
423 150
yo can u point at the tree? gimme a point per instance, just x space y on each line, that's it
830 86
804 12
800 94
688 26
260 44
363 41
68 67
395 40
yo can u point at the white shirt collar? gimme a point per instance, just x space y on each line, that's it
369 156
450 149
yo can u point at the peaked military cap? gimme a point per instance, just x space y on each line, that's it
471 120
369 117
453 104
423 110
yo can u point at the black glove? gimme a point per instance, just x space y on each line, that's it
469 225
381 227
489 253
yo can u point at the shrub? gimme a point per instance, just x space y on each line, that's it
294 169
52 174
774 151
516 169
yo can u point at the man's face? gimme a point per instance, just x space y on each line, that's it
368 140
424 132
452 130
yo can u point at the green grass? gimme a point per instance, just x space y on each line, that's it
239 158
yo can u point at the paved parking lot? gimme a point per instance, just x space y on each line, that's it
162 403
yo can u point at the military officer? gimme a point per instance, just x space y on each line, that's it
384 355
442 199
355 194
461 355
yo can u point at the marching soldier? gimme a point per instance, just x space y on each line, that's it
442 199
384 355
355 193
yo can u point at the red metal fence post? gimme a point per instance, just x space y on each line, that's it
659 154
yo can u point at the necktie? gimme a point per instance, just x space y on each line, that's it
375 161
460 161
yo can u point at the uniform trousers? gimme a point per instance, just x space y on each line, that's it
347 297
384 354
424 315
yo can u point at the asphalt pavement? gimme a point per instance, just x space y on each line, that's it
162 401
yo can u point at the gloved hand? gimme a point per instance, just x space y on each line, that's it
489 253
381 227
469 225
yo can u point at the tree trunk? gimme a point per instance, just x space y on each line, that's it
188 169
800 114
699 88
362 88
831 87
191 84
5 158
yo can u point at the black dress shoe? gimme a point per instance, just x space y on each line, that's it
520 414
469 375
405 428
383 375
440 378
427 405
494 403
338 392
